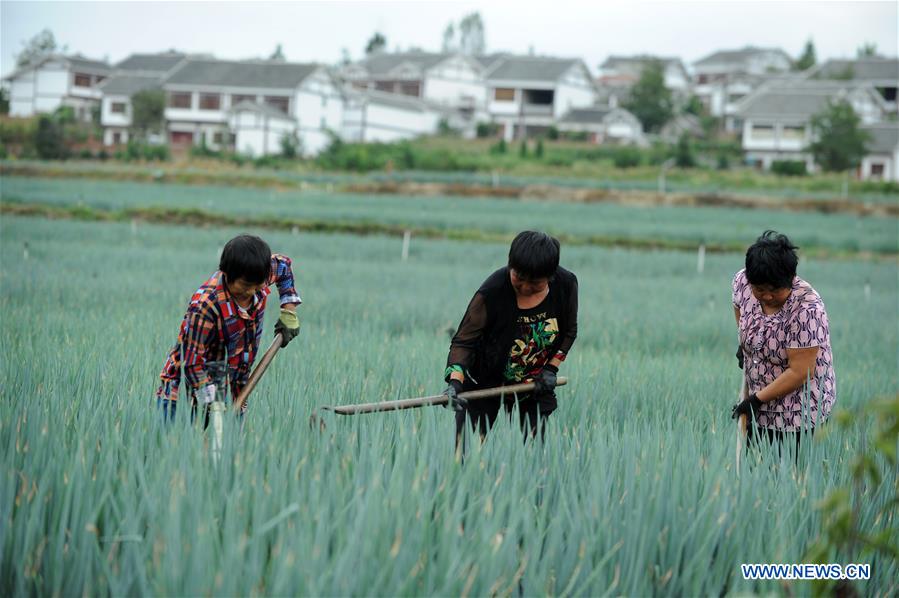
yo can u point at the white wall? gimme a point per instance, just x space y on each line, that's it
385 123
108 118
39 90
318 108
890 170
257 134
778 141
573 91
502 108
453 81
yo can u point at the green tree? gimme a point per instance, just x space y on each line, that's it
523 149
48 139
650 100
807 60
867 50
839 141
290 145
683 153
471 35
842 534
147 112
694 106
376 43
449 38
278 54
538 153
41 45
4 101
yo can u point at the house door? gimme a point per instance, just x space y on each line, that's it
181 138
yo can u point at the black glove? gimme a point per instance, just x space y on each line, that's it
747 406
452 394
740 356
545 382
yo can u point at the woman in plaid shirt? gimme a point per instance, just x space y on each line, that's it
223 324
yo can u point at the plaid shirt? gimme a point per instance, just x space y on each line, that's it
214 329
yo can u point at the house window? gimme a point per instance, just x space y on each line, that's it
877 170
384 86
82 80
116 138
217 138
410 88
180 100
762 132
324 101
504 94
322 124
360 84
794 133
210 101
282 103
238 98
117 108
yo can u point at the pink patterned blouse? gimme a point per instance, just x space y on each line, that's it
800 323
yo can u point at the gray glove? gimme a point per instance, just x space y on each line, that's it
452 394
546 381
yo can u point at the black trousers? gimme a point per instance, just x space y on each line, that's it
761 437
532 413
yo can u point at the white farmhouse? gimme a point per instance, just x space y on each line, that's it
722 79
259 128
201 94
776 117
528 94
54 81
450 79
136 73
378 116
624 71
882 161
604 125
116 111
880 72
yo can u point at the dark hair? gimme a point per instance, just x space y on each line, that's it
247 257
534 255
771 260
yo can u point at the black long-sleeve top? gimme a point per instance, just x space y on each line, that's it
497 342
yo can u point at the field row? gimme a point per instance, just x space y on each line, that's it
727 228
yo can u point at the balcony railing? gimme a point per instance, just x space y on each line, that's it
537 109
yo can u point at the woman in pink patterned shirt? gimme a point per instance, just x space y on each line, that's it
784 343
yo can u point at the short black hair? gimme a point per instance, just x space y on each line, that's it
534 255
771 260
247 257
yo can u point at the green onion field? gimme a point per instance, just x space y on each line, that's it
633 493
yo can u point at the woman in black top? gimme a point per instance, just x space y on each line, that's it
518 327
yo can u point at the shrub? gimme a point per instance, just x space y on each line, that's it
499 148
485 129
627 157
48 140
789 167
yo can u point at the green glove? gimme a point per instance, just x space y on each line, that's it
288 326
